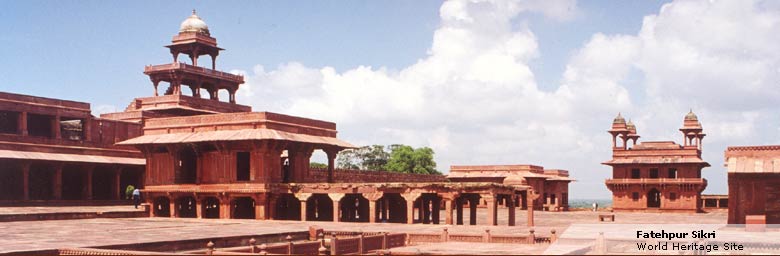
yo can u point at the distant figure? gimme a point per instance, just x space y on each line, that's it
136 197
595 206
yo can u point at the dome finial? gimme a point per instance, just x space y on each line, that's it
193 12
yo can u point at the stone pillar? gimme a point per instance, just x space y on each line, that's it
436 208
425 213
373 200
172 206
271 207
459 209
57 182
530 211
260 206
87 129
386 209
331 163
448 211
336 197
303 197
473 211
492 216
410 198
25 180
56 127
225 208
87 190
198 207
116 192
510 205
23 124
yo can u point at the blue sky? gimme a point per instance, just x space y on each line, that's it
480 82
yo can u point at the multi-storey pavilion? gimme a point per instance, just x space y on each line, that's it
56 150
211 159
754 183
656 175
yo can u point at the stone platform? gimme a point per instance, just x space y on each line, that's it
53 234
36 213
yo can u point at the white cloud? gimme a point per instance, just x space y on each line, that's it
475 100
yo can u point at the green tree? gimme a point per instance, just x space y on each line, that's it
372 157
406 159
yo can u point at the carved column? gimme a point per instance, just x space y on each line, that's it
225 207
87 129
87 190
303 197
459 210
473 210
172 206
198 206
271 207
531 198
510 205
490 201
25 180
260 206
22 125
332 153
116 193
57 181
56 127
410 198
336 197
373 199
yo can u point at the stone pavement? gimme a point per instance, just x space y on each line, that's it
56 209
39 235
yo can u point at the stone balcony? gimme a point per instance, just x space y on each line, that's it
695 181
193 70
177 101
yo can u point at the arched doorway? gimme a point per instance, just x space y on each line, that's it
319 207
391 208
243 208
210 208
185 207
162 207
653 198
288 207
354 208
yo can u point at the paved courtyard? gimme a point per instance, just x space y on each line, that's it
39 235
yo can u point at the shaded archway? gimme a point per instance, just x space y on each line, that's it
102 180
11 182
210 208
354 208
391 208
186 207
319 207
73 182
288 207
41 177
243 208
653 198
162 207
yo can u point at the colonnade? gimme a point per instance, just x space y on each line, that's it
410 208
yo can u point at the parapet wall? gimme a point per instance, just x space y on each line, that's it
355 176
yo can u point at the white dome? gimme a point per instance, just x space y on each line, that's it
194 24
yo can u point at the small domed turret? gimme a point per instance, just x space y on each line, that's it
691 116
619 120
194 24
631 127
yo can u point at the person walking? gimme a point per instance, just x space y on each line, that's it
136 197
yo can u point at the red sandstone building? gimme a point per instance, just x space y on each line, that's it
656 175
552 184
211 159
754 184
199 157
56 150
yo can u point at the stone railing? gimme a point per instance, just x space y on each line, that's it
657 181
486 237
333 245
193 69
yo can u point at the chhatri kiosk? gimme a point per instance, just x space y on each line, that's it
206 158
